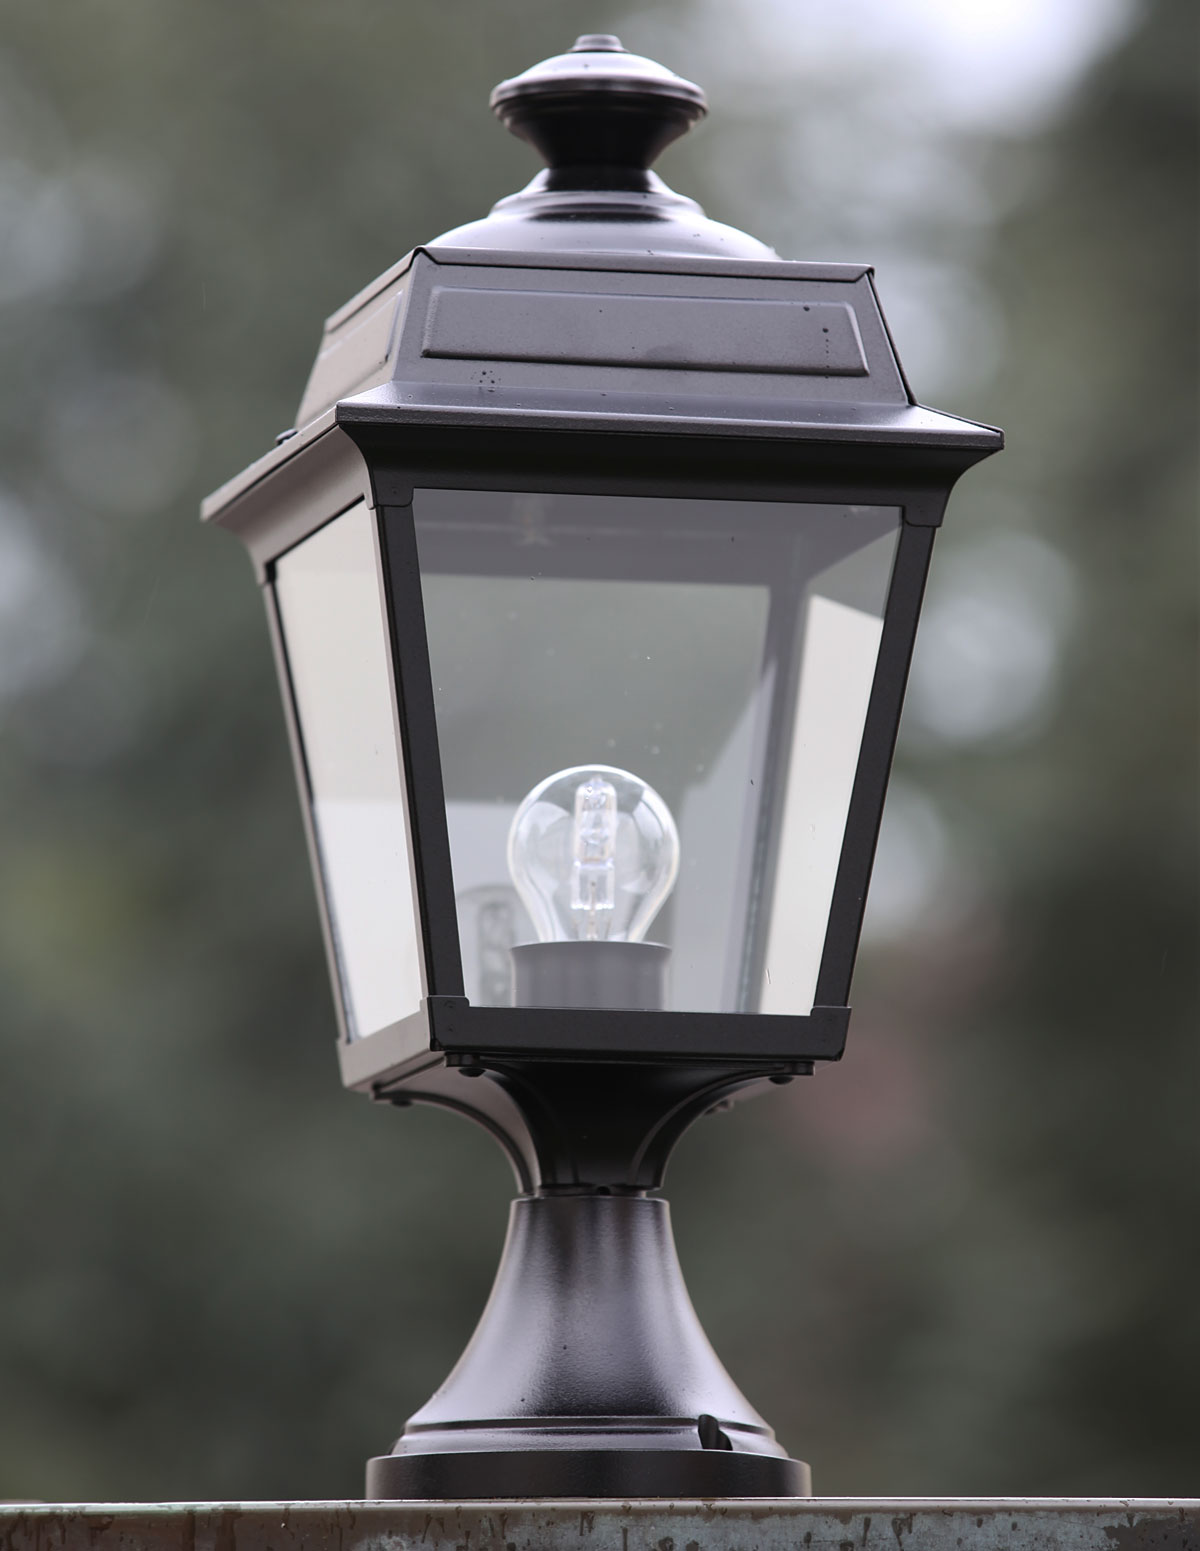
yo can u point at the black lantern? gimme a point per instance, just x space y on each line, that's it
594 568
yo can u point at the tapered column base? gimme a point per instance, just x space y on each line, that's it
588 1376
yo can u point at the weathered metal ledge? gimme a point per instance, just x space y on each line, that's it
813 1524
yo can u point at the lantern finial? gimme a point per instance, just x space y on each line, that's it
600 116
599 106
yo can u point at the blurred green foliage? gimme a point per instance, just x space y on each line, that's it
964 1261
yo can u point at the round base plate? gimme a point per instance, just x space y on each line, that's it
618 1473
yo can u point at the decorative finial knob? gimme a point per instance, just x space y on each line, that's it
598 106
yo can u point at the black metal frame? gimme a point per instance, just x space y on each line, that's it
402 459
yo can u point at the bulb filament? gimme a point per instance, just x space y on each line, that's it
593 849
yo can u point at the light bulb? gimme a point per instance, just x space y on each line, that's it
593 852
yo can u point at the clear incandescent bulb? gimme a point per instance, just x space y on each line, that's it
593 852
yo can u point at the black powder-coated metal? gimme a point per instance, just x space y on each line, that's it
698 460
422 762
607 1034
589 1126
598 110
599 116
585 1473
589 1375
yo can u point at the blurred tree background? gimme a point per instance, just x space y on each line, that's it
964 1261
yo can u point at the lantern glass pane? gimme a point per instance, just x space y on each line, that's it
335 635
720 652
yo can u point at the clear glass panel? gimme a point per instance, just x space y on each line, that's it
335 633
720 653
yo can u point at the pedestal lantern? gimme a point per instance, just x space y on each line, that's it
593 569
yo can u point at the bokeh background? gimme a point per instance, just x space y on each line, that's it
965 1261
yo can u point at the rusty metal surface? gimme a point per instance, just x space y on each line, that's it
815 1524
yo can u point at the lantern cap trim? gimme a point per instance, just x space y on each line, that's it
375 367
506 335
874 424
624 212
650 263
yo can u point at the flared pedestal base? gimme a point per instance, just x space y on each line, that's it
589 1376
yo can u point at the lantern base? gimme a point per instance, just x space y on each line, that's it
599 1473
589 1375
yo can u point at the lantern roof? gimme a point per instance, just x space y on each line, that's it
597 299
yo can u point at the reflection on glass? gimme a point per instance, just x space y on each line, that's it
491 922
334 630
837 668
722 650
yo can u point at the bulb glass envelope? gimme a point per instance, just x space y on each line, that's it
706 573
